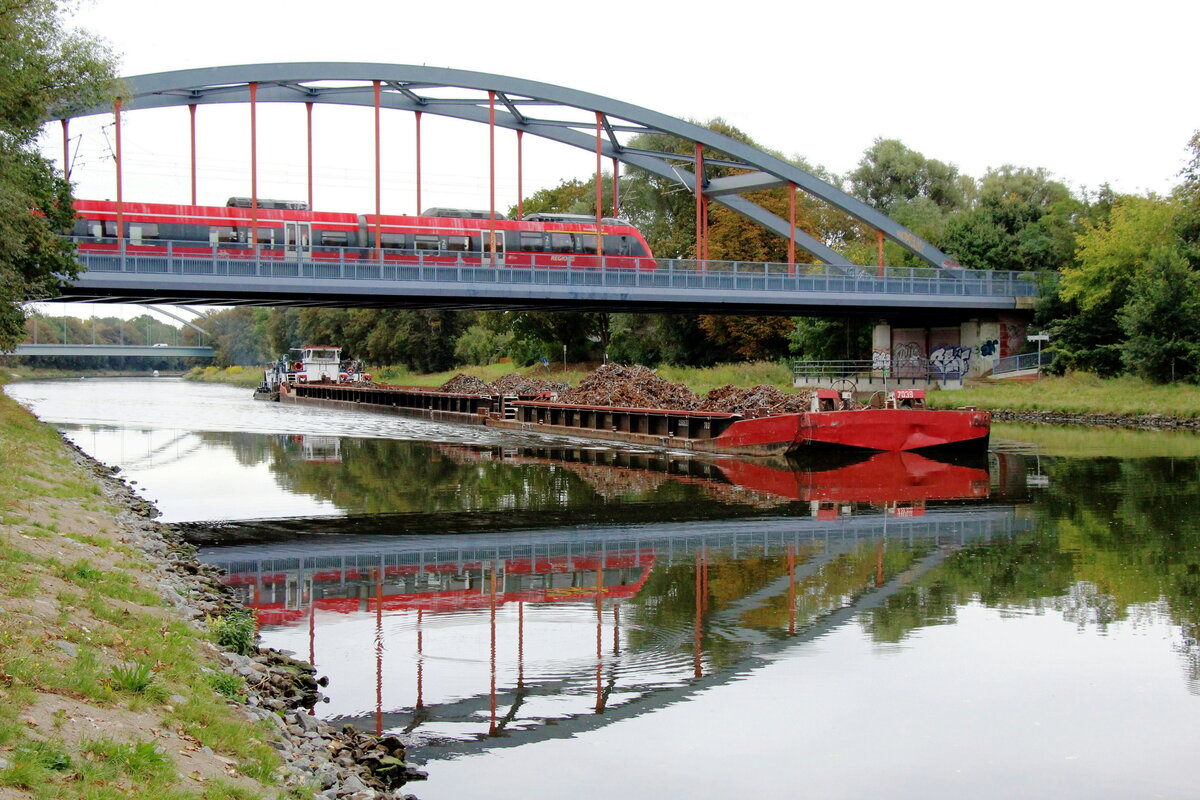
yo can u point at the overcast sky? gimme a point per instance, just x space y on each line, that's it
1094 92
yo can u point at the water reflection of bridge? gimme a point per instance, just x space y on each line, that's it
602 569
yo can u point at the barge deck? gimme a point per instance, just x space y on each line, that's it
890 429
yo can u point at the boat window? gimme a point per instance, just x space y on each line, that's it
428 242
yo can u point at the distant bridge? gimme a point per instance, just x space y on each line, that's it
97 350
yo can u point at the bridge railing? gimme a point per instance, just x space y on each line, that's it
571 270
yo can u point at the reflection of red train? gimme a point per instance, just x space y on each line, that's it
455 586
288 230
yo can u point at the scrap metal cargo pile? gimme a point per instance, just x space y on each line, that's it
630 387
639 387
513 383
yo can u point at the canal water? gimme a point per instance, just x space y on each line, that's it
544 617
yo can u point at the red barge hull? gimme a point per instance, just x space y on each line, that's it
701 431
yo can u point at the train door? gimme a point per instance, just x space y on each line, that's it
297 240
486 238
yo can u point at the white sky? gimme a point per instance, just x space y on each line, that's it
1094 92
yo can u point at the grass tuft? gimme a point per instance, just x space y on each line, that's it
135 678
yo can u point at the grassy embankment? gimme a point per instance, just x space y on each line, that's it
20 373
234 376
104 692
1079 394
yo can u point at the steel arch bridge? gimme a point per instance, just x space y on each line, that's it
540 109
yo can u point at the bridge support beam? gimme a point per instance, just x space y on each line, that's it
192 127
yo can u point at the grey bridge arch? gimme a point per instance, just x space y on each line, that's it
519 103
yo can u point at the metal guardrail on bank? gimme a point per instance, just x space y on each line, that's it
574 270
1025 361
899 370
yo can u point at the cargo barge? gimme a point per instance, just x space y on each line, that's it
902 424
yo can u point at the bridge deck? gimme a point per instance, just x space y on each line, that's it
674 286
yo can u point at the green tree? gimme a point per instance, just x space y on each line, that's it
1022 220
44 67
890 175
1109 256
1187 197
1162 319
830 339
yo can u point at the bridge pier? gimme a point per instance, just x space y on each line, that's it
945 356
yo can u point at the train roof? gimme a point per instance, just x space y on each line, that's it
461 213
581 219
247 202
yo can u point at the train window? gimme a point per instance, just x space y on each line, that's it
585 242
110 228
561 243
460 244
532 242
427 242
392 240
222 233
335 238
94 228
265 236
616 245
143 230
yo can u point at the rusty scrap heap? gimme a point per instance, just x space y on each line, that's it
630 387
518 384
639 387
512 383
464 384
757 401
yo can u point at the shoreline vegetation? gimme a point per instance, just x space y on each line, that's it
127 669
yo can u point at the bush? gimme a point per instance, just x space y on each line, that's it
234 370
237 631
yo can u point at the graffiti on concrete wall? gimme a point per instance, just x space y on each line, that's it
906 360
950 361
988 347
881 359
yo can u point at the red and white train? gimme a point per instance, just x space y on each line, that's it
288 230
